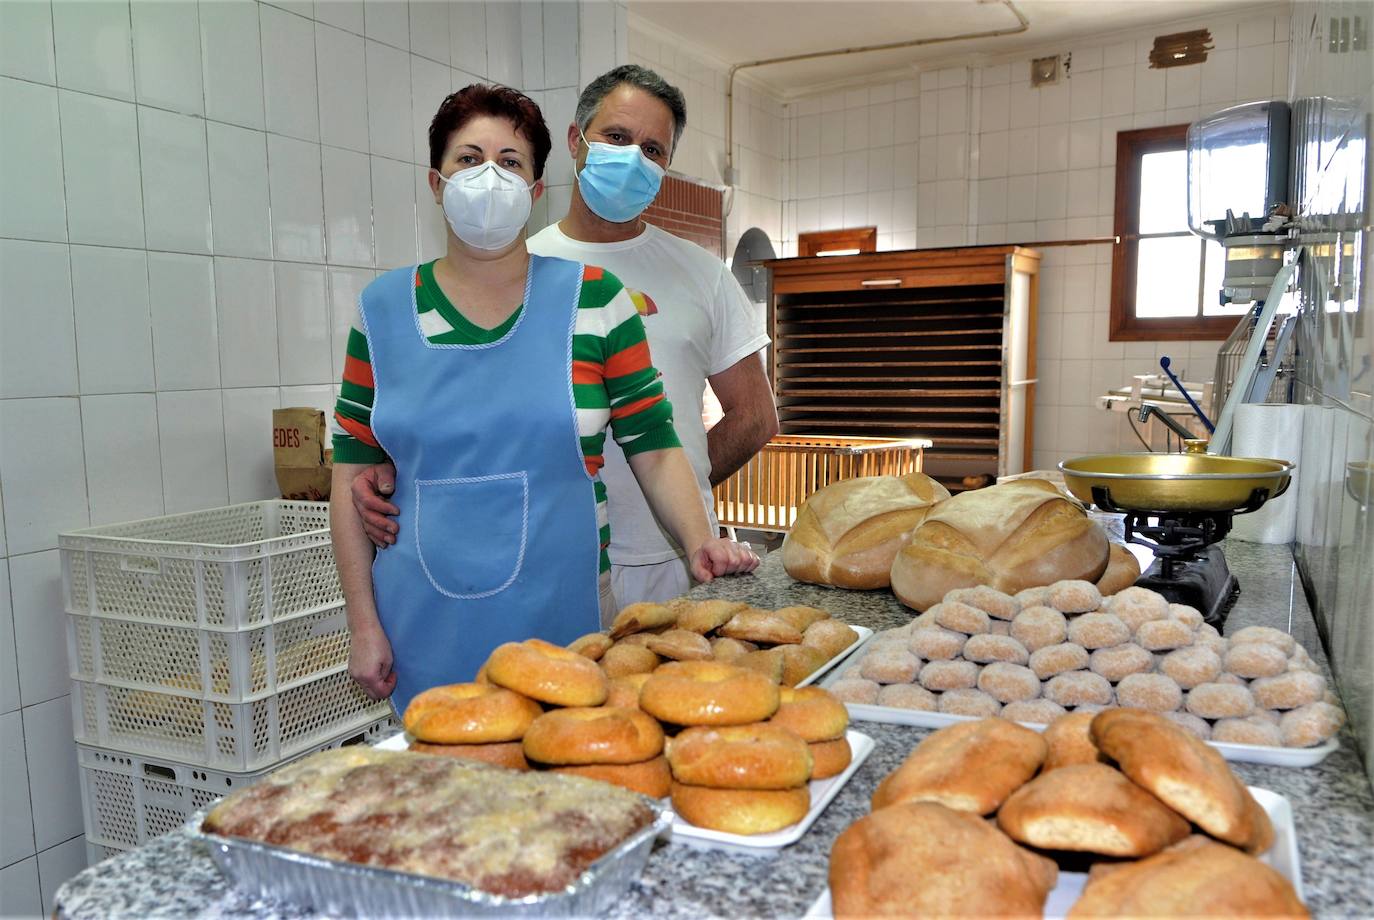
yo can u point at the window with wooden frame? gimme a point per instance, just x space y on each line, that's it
1166 281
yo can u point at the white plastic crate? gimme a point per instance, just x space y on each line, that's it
240 737
128 800
224 568
232 667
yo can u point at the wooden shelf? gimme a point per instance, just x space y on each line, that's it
924 357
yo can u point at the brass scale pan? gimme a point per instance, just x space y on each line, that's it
1191 482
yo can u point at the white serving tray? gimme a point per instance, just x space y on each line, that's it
1244 753
864 635
822 792
1282 856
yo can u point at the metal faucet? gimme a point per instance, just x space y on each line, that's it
1192 445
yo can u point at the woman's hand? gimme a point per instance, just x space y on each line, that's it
718 556
370 663
371 487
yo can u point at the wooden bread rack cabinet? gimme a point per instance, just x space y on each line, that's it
934 344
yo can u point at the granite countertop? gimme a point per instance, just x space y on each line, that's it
1332 802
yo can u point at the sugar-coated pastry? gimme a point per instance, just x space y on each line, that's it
1200 728
890 666
1226 677
1038 627
969 702
1058 659
987 647
1301 661
1160 635
1074 596
801 617
730 651
855 691
1135 606
831 636
1251 730
1196 664
1273 717
1207 635
908 696
1009 683
1098 630
1255 659
1079 688
680 645
1289 690
1119 661
1032 597
1311 724
1070 741
987 599
1039 711
1185 614
972 766
961 617
1154 692
935 643
1267 634
801 661
949 675
1220 701
921 621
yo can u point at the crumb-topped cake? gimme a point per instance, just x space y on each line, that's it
497 830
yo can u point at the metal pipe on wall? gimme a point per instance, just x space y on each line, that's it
1023 24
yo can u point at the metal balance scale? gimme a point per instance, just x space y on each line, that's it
1180 506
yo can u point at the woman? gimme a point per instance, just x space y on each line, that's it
488 377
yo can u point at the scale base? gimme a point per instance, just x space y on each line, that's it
1204 582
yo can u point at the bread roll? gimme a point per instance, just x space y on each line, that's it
1122 571
847 533
1011 536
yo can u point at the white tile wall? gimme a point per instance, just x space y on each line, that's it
998 162
192 198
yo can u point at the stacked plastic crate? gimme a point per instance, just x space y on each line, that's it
206 649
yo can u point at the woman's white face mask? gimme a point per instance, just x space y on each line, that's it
486 206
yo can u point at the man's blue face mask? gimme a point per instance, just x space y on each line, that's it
618 182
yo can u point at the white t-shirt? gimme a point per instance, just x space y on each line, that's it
701 323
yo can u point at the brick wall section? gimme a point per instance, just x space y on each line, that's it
690 211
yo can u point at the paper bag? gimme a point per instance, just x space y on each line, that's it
303 463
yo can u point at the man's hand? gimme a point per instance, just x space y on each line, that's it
370 663
370 488
718 556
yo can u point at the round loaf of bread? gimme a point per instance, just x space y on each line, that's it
758 756
548 673
847 533
593 734
811 713
469 714
1010 536
741 811
708 693
829 758
651 778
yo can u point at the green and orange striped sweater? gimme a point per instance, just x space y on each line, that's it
613 378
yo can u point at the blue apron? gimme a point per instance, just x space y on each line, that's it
498 538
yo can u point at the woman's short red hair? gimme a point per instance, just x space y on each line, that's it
498 102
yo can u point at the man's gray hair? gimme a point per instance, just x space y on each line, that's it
640 78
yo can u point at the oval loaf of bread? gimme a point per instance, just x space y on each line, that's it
847 533
1011 536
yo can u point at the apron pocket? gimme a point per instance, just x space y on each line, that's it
470 533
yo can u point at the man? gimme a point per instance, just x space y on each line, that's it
700 325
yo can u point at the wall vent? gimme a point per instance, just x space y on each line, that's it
1044 71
